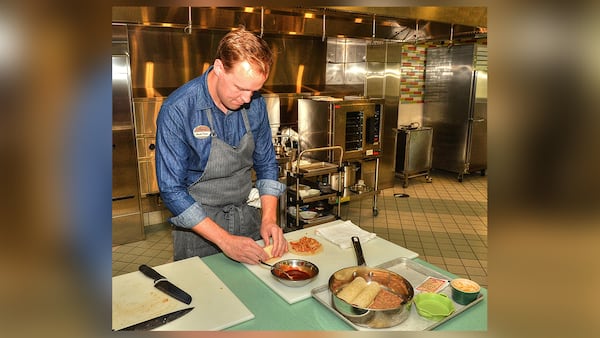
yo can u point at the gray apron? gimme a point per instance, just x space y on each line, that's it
223 191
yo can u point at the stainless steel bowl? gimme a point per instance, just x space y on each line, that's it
302 272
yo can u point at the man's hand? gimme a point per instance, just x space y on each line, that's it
244 250
240 248
272 231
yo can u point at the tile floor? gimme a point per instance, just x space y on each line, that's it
445 221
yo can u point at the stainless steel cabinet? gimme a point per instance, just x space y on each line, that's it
146 111
413 153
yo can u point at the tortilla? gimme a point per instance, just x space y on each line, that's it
271 259
350 291
344 274
367 295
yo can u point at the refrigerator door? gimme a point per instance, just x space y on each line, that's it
448 96
456 107
478 143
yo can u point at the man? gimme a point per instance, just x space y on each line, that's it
210 133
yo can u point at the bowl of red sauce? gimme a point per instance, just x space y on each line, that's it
294 272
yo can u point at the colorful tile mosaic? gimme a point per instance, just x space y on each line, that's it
412 73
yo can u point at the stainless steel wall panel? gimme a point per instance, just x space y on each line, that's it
121 92
354 73
356 50
358 23
392 99
314 127
383 80
375 72
298 59
394 52
336 50
334 73
392 79
127 222
345 61
376 53
163 59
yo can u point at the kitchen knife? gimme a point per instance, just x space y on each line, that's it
161 283
158 321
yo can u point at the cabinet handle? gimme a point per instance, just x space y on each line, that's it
123 197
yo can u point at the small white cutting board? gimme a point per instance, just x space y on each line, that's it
135 299
330 260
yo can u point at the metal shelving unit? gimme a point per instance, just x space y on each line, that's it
311 175
369 168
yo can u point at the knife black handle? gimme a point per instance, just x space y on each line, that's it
148 271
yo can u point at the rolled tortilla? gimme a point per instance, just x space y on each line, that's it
367 295
344 274
350 291
271 259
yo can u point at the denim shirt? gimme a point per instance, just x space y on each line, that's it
181 157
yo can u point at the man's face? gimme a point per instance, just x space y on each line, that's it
235 87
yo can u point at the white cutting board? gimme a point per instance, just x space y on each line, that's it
330 260
135 299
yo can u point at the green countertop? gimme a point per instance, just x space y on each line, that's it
272 313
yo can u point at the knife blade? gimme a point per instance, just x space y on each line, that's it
158 321
163 284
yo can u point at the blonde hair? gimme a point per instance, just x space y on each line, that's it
242 45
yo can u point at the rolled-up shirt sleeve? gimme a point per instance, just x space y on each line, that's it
270 187
190 217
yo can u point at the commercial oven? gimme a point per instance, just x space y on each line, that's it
355 125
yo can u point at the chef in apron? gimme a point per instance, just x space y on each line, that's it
210 133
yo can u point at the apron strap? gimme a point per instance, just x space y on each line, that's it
210 122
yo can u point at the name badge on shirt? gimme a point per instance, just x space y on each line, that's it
201 132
